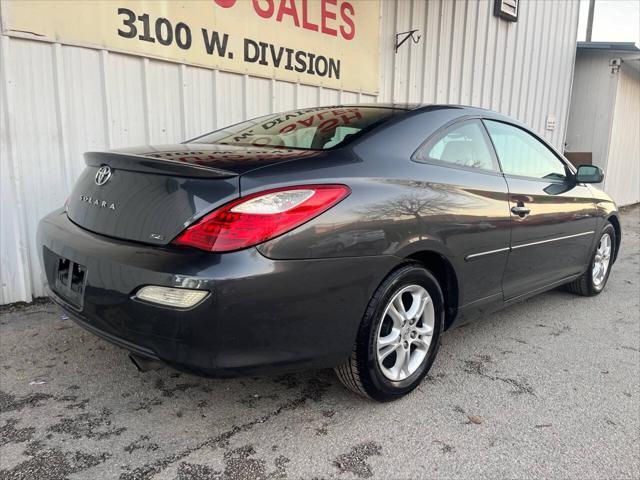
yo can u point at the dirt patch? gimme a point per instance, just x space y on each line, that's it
10 434
142 443
10 402
53 465
190 471
88 425
356 460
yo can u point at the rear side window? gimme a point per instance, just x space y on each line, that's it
522 154
463 145
308 129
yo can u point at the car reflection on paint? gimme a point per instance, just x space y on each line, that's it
349 242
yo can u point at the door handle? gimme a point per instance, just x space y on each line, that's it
521 211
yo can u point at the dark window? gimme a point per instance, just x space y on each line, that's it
520 153
463 145
308 129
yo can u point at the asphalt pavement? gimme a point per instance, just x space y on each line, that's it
549 388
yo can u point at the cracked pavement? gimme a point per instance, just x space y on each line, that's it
549 388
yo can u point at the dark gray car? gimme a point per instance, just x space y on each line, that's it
347 237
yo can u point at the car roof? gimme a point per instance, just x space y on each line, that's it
426 107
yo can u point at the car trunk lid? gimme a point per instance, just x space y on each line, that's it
153 193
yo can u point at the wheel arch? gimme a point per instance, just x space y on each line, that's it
446 275
615 221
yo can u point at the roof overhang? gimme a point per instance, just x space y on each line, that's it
627 51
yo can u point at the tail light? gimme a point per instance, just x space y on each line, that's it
260 217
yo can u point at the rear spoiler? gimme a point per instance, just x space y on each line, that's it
141 163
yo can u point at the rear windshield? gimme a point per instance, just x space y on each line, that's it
309 129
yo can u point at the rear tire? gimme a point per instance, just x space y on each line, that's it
593 281
399 336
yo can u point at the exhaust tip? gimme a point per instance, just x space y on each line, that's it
143 364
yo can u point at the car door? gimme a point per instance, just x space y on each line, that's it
468 196
552 217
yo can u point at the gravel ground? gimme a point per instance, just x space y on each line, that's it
549 388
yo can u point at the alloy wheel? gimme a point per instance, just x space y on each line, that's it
405 332
601 260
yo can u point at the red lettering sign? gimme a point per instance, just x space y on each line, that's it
330 17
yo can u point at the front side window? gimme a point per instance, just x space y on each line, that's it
463 145
520 153
308 129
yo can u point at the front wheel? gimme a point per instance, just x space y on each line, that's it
399 336
592 282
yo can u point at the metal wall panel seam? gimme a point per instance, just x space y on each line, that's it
63 146
427 53
497 77
506 58
483 71
272 93
245 94
531 88
146 101
521 36
438 43
456 60
444 51
474 59
215 86
463 56
413 56
476 72
527 61
409 58
385 67
394 57
183 101
104 76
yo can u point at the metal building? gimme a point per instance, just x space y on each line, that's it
59 100
604 119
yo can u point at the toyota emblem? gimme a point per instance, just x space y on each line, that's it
103 175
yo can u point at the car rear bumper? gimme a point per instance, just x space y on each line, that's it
262 315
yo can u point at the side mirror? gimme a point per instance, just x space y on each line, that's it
589 174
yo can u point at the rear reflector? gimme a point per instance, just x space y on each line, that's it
172 297
260 217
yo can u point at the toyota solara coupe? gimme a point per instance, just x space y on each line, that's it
347 236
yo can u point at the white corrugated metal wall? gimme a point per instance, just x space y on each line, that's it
591 116
58 101
605 119
622 176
